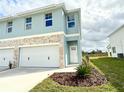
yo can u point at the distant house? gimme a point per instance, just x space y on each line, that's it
116 47
43 37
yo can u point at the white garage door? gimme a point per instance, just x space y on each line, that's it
46 56
6 55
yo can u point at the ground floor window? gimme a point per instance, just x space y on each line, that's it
114 49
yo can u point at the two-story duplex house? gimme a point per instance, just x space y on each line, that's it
43 37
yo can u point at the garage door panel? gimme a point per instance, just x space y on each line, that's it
6 55
40 56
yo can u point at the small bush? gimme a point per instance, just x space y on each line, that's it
86 60
83 70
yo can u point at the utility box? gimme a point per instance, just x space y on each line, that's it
120 55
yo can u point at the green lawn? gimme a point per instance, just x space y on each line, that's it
49 85
112 68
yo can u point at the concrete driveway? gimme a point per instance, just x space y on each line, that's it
24 79
3 68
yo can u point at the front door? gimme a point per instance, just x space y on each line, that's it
73 55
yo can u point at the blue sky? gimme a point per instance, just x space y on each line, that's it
98 17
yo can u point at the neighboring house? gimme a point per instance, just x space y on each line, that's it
43 37
116 39
109 50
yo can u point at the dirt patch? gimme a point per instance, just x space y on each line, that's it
70 79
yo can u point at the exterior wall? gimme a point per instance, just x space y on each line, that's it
117 40
36 40
109 52
74 40
38 24
75 29
59 18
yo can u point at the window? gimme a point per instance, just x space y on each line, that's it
9 27
73 48
28 23
113 49
48 19
71 21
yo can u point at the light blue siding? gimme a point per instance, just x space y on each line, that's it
72 41
38 25
74 29
59 18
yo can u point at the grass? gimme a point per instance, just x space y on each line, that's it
112 68
49 85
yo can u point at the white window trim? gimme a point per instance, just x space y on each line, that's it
30 23
114 50
9 27
49 18
70 22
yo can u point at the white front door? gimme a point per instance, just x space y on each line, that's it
44 56
73 55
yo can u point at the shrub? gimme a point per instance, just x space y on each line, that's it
86 60
83 70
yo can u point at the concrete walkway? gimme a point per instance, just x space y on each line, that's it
24 79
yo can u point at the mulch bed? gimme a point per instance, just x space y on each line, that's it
70 79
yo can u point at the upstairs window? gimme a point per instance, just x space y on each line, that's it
71 21
114 49
48 19
28 23
9 27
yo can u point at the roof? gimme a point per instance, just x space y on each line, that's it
37 10
120 27
33 11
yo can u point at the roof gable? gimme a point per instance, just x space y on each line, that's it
122 26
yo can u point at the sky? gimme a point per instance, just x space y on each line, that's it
99 18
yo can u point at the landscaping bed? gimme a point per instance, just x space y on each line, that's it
112 68
71 79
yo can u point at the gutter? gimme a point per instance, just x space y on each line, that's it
33 11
